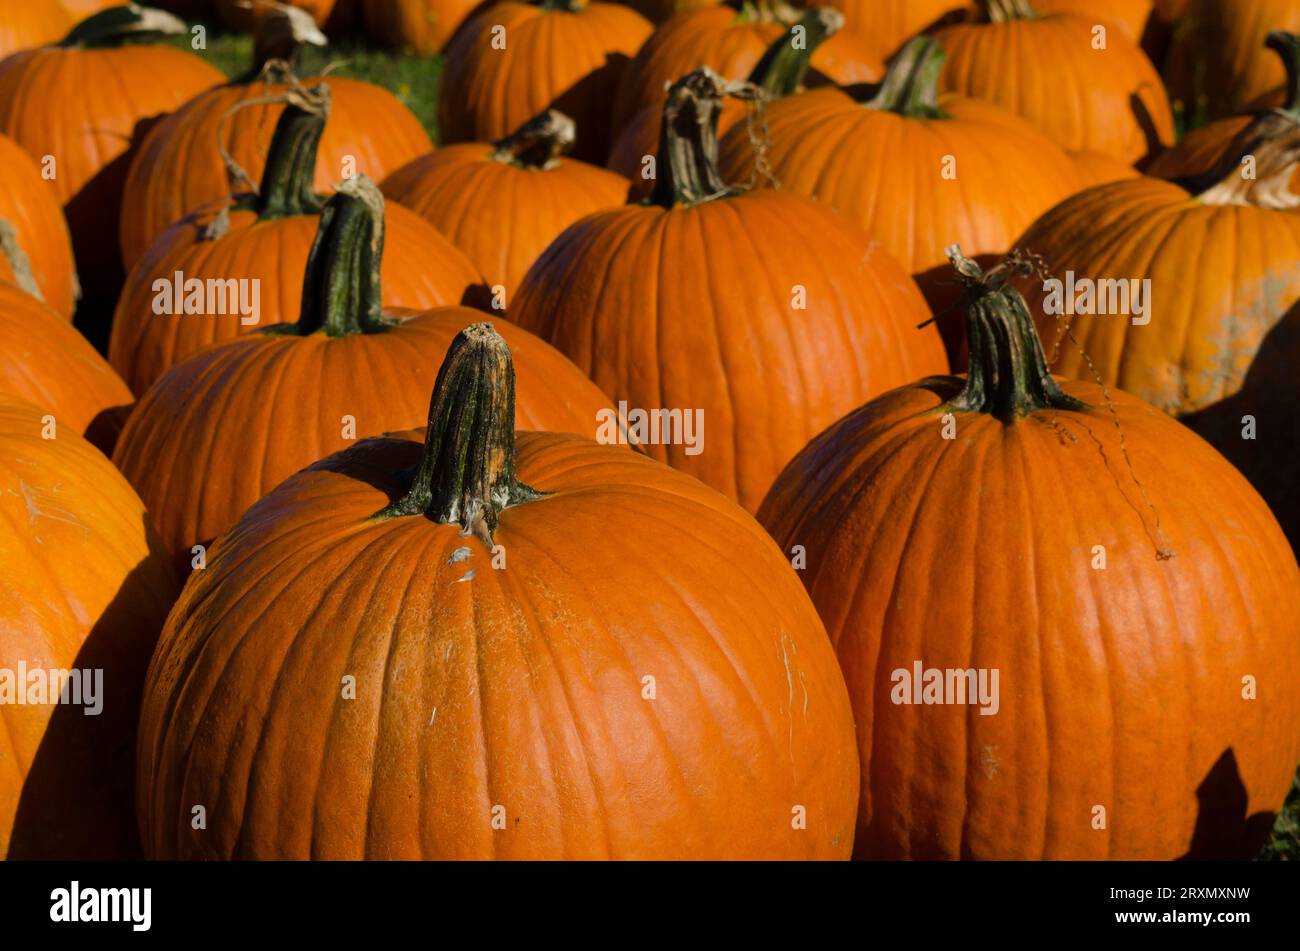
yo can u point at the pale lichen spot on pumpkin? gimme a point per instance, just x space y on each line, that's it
459 555
468 576
989 761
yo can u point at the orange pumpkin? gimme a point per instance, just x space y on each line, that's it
658 11
1121 581
1050 70
888 24
84 585
1130 16
464 742
1218 64
343 360
119 94
1097 168
44 361
29 204
25 25
514 60
264 239
80 9
421 26
247 16
763 315
503 203
179 166
913 168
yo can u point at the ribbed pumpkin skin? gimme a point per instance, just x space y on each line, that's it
1218 53
45 361
655 308
25 25
1129 15
888 24
422 26
83 583
1201 150
731 45
178 167
502 216
1097 168
1103 673
117 92
80 9
1047 71
31 206
883 171
421 269
1207 320
469 689
553 59
190 445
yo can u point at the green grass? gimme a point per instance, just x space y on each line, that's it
1284 844
413 79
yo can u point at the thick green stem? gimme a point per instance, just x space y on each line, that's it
782 69
128 23
911 86
538 143
1001 11
466 475
688 138
1287 46
342 293
288 180
1008 376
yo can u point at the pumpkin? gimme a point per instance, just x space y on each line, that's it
1118 576
179 166
80 9
889 24
118 93
247 16
514 60
264 239
1049 70
503 203
946 161
44 361
735 45
1097 168
422 26
658 11
30 206
1218 64
779 72
1129 16
1203 148
83 585
514 729
25 25
764 315
343 360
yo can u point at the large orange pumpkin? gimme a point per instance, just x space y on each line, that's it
25 25
187 446
84 585
503 203
579 702
265 239
422 26
1130 16
514 60
179 166
1129 590
764 316
913 168
44 361
118 92
888 24
1055 71
30 205
1217 64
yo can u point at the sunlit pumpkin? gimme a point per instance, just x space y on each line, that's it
30 207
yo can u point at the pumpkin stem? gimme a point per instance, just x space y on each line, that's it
466 475
1287 46
1001 11
1008 376
782 69
125 24
911 85
13 254
342 293
688 140
288 180
538 143
281 34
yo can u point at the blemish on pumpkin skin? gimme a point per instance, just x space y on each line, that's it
989 762
460 554
54 513
469 576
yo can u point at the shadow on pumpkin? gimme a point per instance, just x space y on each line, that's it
78 798
592 122
1223 828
